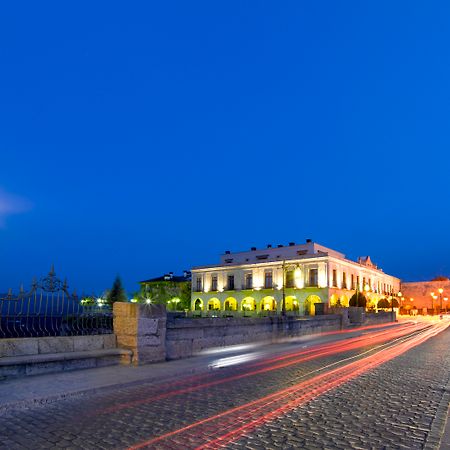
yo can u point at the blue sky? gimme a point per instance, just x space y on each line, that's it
150 137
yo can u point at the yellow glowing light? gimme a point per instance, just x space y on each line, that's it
440 290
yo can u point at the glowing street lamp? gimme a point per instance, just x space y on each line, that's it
440 290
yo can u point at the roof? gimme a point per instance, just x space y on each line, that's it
168 277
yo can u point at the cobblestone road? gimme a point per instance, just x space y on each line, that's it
391 406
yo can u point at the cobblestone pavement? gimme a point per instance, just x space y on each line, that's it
391 406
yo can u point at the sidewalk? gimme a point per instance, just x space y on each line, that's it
17 393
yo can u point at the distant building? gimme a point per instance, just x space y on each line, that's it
172 290
310 278
427 297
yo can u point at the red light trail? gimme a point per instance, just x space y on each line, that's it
278 362
219 430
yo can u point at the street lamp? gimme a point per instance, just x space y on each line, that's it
433 297
440 290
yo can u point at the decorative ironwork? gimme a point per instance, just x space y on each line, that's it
48 309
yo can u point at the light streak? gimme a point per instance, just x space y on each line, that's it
275 363
263 410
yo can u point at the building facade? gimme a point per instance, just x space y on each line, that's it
306 279
169 289
425 297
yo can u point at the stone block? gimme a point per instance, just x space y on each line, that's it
109 340
55 344
126 341
137 310
125 326
128 310
179 349
176 333
18 347
44 367
12 371
111 360
147 326
148 355
75 364
85 343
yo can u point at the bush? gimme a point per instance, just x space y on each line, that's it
383 303
358 299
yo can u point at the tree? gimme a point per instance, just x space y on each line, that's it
383 303
358 299
117 292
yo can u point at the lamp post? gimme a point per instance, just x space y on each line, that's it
432 302
440 290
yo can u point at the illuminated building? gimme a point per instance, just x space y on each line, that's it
169 289
426 297
307 278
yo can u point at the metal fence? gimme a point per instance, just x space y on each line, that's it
48 309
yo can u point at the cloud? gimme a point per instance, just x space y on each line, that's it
11 204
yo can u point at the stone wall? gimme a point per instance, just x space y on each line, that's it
186 337
55 344
380 317
146 330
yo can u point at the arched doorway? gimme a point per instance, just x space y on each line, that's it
248 304
213 304
291 303
334 300
311 300
344 301
198 304
268 304
230 304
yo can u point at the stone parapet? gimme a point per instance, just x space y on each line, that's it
141 329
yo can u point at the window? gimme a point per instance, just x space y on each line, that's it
290 279
357 282
353 281
334 278
268 280
230 282
344 280
248 281
199 284
214 282
313 277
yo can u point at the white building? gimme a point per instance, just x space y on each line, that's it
309 277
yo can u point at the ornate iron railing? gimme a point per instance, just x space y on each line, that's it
48 309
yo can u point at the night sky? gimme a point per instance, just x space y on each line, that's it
146 137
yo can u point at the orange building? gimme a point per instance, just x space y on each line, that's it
427 297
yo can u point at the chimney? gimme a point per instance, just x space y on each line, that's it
253 249
291 244
269 245
308 241
227 252
280 245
